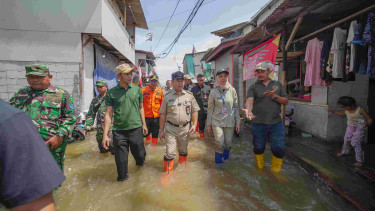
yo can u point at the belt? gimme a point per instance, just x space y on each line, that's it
180 126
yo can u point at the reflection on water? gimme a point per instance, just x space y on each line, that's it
198 185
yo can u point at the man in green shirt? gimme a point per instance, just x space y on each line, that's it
124 103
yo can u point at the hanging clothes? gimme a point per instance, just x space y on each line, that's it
369 40
338 51
312 58
361 51
351 52
325 75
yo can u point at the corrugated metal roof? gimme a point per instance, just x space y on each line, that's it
228 31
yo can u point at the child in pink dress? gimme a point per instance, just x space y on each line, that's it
356 128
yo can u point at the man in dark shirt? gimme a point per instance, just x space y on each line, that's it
28 172
264 98
201 92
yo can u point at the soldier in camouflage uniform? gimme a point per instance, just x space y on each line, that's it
51 109
97 109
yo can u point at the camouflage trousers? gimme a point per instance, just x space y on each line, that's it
99 138
59 154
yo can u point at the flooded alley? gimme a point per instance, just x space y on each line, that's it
200 184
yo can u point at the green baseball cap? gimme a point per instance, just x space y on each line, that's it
36 69
101 83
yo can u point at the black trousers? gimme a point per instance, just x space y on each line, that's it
202 122
153 127
122 140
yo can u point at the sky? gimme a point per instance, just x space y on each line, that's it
212 15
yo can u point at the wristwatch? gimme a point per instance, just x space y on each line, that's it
274 98
60 134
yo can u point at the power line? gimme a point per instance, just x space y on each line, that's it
167 25
188 21
157 20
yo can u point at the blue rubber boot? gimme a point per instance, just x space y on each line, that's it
218 157
226 154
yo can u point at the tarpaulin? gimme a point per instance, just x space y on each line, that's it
105 68
206 70
267 51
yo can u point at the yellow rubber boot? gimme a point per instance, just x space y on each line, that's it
259 159
276 164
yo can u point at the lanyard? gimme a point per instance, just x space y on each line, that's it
223 97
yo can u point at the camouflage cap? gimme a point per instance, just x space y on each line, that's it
36 69
101 83
124 68
265 65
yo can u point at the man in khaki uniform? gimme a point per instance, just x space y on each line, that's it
177 108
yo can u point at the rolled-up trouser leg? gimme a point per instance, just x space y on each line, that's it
137 147
121 148
260 132
202 122
277 138
59 155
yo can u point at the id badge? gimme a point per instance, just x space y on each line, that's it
224 111
187 109
205 96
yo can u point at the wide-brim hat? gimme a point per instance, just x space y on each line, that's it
265 65
187 76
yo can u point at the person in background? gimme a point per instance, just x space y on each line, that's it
125 104
263 107
168 87
188 83
97 110
28 172
357 121
177 108
152 99
223 115
50 107
201 92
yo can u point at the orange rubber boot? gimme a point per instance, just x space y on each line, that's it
154 141
168 166
201 135
182 159
148 138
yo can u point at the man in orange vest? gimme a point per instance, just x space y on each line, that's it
152 99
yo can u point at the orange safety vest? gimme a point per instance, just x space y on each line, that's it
152 101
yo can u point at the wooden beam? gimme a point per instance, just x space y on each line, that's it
131 10
337 23
125 5
86 42
116 8
291 37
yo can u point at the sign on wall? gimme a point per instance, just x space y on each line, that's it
267 51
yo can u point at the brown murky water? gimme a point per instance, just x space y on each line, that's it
198 185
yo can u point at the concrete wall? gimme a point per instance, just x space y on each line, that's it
223 62
139 56
52 15
197 64
88 77
19 45
65 75
115 33
238 81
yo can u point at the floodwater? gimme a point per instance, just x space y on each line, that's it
197 185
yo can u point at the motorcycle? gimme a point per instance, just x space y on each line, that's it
78 130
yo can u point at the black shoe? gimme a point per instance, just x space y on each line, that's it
123 179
